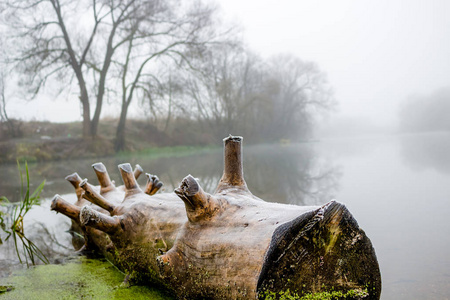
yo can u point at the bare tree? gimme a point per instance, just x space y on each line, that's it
167 34
99 43
228 86
301 92
266 100
13 127
52 42
46 47
3 114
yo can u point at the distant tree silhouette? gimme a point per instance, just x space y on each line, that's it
426 113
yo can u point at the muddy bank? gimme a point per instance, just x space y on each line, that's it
44 141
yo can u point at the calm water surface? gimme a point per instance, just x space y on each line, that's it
397 187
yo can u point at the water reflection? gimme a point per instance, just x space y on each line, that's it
274 173
43 228
405 213
292 174
427 151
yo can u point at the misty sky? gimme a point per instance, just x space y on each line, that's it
376 53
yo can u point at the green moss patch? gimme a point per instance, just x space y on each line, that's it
332 295
5 288
79 278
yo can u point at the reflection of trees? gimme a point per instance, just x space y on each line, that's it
426 113
54 173
207 167
427 151
290 175
53 245
45 233
293 174
279 174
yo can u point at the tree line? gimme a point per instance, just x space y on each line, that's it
177 58
426 113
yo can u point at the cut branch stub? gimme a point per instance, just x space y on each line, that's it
199 205
233 173
62 206
153 184
75 180
92 196
106 184
131 185
138 171
98 220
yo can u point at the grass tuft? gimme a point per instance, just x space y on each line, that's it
29 252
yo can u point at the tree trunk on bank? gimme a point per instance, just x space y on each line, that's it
77 68
229 245
86 120
93 129
119 143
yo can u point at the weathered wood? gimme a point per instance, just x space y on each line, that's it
233 172
228 245
153 184
322 250
106 184
92 196
219 253
62 206
98 220
134 230
75 181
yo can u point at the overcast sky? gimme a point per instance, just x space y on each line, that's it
376 52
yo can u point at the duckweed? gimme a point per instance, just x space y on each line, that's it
79 278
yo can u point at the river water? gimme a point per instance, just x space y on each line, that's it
397 187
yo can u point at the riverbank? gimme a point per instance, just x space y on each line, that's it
45 141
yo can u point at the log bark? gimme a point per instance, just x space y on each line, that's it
129 226
228 245
62 206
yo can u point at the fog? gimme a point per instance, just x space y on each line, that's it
377 55
426 113
379 70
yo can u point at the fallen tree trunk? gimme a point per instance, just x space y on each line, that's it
229 245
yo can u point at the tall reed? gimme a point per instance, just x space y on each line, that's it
30 252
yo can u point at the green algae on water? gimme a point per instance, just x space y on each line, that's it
79 278
5 288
